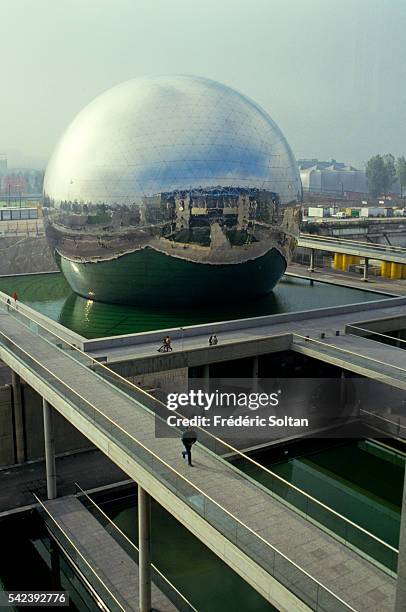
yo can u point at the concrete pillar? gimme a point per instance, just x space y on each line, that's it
254 373
366 264
20 449
400 601
49 442
206 373
144 545
343 398
311 268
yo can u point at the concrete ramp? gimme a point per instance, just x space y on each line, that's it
81 535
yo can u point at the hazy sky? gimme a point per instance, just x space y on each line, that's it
331 74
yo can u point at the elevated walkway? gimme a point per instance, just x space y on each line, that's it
357 354
353 247
111 572
291 562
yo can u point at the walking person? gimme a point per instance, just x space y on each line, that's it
189 437
15 298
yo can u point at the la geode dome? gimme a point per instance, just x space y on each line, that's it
116 180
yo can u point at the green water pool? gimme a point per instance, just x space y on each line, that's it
360 479
206 581
50 295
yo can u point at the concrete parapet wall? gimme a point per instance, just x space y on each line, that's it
168 381
48 324
163 363
235 325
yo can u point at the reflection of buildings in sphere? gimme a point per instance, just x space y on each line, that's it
172 188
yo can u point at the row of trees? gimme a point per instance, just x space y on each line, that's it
383 171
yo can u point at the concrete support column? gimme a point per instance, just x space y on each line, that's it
366 270
343 398
311 267
254 373
400 601
18 418
144 545
49 442
206 373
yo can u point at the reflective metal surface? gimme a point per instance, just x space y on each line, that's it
158 134
179 164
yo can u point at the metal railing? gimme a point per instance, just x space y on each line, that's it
262 552
341 527
326 345
397 428
368 332
89 572
369 246
158 578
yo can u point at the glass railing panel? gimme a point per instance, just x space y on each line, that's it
108 594
296 581
195 499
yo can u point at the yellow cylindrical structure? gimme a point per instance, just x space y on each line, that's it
403 270
355 260
395 270
385 269
346 262
338 261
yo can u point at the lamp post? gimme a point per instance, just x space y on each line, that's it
181 331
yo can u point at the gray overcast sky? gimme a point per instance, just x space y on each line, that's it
331 74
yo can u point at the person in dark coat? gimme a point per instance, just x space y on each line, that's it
189 437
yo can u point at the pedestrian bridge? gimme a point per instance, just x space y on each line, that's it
291 558
356 248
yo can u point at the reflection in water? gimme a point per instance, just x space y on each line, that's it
93 318
50 294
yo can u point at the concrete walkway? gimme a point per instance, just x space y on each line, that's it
328 322
370 358
348 279
352 578
111 564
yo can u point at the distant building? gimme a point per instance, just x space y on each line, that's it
331 177
21 181
3 164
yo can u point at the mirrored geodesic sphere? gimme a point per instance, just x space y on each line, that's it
181 165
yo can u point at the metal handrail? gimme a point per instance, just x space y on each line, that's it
339 348
379 416
78 551
182 477
384 247
227 445
134 546
374 333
